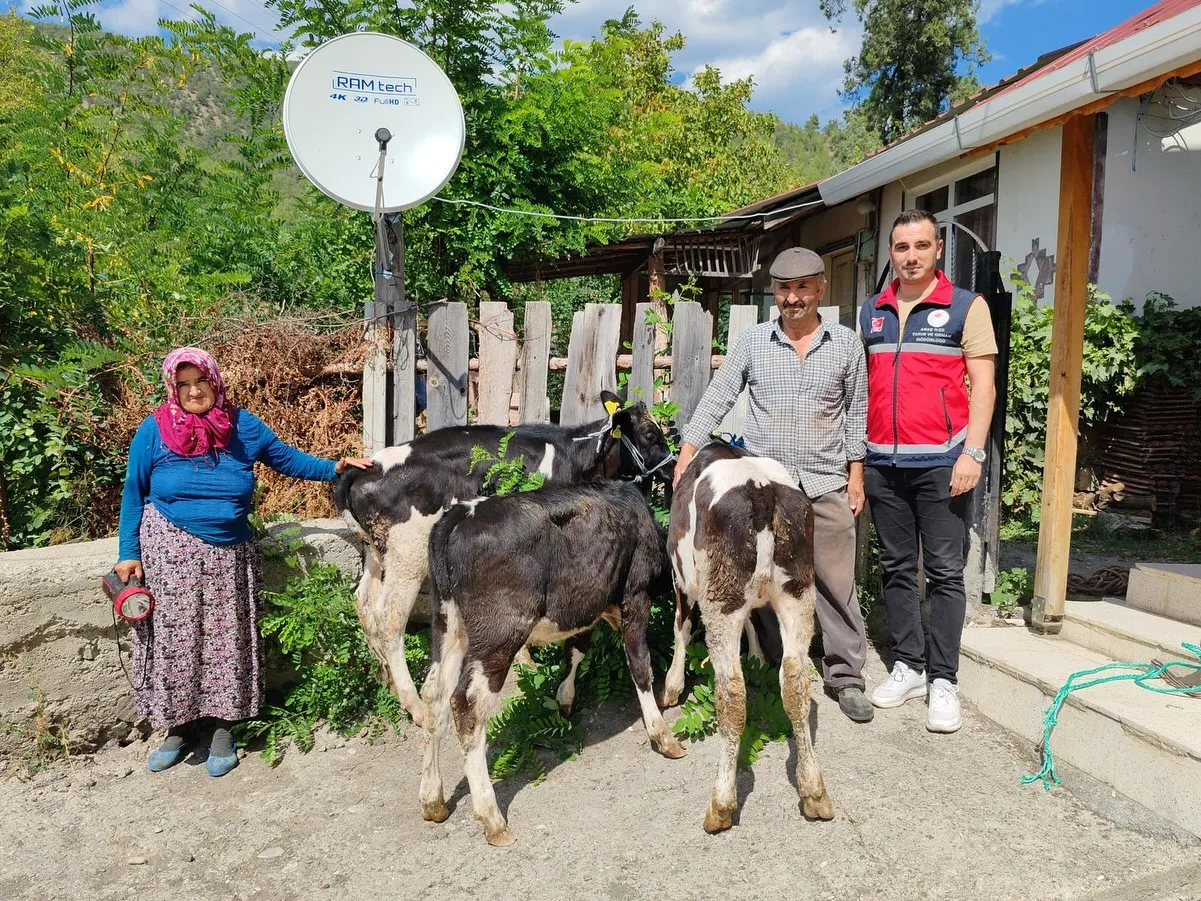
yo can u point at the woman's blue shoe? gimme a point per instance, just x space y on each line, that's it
219 766
161 759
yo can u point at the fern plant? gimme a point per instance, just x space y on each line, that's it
314 625
504 475
766 719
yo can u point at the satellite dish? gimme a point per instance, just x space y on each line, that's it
367 98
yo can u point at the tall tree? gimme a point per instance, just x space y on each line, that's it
917 57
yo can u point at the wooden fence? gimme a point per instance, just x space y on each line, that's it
506 382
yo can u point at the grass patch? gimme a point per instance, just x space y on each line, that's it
1091 535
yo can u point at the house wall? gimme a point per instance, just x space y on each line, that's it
890 207
1028 206
1152 217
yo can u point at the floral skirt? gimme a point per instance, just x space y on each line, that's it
200 653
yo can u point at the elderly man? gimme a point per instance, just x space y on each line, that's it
807 387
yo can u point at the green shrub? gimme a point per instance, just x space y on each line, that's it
314 625
1110 375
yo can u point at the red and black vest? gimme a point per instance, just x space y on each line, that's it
917 399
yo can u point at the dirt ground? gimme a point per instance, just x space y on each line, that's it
918 816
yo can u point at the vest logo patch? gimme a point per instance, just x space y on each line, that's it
877 324
938 318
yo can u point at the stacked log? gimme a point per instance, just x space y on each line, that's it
1149 457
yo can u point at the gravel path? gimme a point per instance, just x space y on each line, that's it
918 816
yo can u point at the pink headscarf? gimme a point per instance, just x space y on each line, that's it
186 433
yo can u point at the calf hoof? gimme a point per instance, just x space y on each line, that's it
718 818
499 838
567 709
435 811
672 749
669 698
818 808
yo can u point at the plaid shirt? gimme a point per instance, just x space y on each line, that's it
811 418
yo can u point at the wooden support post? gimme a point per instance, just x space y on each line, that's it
1067 353
404 348
375 362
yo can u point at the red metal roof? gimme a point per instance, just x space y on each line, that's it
1057 59
1152 15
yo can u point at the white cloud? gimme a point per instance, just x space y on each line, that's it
807 62
139 17
795 59
990 8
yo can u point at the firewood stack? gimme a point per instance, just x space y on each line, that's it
1149 458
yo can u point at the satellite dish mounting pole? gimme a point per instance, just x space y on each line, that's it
390 300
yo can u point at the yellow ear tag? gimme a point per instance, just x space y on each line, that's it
616 433
612 406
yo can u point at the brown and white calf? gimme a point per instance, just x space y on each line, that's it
393 506
741 537
538 567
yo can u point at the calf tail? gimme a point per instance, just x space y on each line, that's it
441 538
345 493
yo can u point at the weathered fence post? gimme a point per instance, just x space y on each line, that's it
742 317
641 385
691 349
534 405
498 362
404 348
446 350
591 362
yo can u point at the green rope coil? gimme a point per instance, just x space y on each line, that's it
1141 674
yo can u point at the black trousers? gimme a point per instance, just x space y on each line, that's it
907 504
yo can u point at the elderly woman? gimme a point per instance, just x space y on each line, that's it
185 532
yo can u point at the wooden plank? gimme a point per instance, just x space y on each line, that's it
498 362
534 404
657 282
375 361
691 348
446 351
742 317
592 362
404 348
1067 354
641 384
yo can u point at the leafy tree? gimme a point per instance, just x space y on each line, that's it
916 58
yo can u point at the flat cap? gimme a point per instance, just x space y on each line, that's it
796 262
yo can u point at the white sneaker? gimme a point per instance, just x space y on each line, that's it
903 685
943 715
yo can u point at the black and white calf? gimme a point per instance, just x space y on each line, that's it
740 537
538 567
394 505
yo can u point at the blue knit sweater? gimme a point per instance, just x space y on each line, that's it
207 496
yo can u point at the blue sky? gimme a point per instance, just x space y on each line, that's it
786 45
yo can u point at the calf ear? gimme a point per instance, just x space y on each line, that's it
611 401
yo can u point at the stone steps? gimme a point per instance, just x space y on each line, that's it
1145 745
1167 589
1125 633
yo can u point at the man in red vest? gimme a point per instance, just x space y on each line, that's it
925 450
